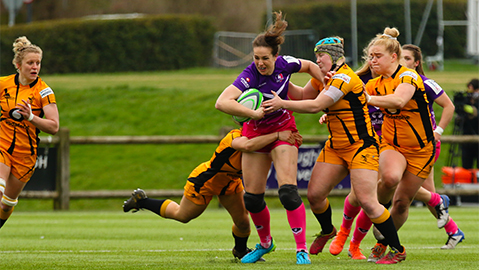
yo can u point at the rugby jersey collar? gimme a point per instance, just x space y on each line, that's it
17 81
396 71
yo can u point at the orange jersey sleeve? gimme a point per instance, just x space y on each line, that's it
318 85
348 119
18 135
410 126
225 160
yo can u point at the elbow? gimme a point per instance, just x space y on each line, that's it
53 130
399 104
217 105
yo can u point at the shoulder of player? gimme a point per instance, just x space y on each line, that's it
347 75
42 88
6 79
406 72
286 60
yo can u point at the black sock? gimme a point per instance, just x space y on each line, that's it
152 205
325 220
2 221
387 228
387 205
240 243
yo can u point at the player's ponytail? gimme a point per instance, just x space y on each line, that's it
389 40
273 36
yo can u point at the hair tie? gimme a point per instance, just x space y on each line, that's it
389 36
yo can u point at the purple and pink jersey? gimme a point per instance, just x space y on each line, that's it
278 81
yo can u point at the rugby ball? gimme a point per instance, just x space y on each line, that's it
252 99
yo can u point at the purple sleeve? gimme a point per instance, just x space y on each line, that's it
292 64
247 78
432 89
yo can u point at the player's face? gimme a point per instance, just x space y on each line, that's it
30 67
264 60
381 60
324 62
409 59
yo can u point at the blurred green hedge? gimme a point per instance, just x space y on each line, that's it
140 44
329 19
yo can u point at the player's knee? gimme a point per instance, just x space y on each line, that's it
254 203
184 219
289 197
402 205
9 202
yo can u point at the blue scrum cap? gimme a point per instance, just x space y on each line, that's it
332 46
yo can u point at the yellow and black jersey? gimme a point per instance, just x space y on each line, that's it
18 135
411 126
348 119
225 164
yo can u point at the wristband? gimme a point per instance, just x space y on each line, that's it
30 117
439 130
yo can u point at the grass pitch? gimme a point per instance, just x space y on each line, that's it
117 240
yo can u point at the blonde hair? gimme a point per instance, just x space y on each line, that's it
365 68
21 47
389 40
273 37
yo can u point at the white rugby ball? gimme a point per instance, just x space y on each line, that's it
252 99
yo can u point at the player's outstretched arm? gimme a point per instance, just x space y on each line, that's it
249 145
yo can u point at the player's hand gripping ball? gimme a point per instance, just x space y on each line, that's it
252 99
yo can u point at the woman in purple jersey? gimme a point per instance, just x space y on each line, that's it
412 56
270 72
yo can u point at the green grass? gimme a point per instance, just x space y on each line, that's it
168 103
117 240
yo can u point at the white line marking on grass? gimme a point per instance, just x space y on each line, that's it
166 250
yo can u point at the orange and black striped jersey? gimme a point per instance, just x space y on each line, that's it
410 126
18 135
226 160
348 119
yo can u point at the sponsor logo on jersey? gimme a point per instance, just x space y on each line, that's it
343 77
245 82
45 92
18 124
434 85
15 115
397 117
279 77
410 74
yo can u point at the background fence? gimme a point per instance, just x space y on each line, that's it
234 49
